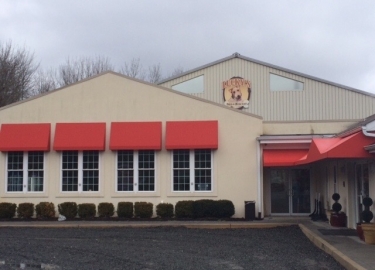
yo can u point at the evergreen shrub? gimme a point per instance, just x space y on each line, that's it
68 209
164 210
45 210
25 210
143 209
86 210
184 209
125 209
106 209
7 210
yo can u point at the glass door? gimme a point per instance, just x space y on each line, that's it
300 180
362 187
280 191
290 191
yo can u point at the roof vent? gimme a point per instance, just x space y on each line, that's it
236 54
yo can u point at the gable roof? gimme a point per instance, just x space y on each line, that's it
356 127
239 56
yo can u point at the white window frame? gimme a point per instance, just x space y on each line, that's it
80 172
135 173
25 172
192 173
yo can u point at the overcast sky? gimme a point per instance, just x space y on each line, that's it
332 40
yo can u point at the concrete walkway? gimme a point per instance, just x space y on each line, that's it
349 251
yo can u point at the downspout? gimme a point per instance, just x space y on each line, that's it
260 180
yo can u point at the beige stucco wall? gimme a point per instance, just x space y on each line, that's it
111 98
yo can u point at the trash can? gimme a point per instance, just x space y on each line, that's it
249 210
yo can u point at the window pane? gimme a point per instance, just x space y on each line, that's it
202 171
125 180
195 85
15 181
146 180
90 160
146 159
279 83
202 179
125 173
35 171
181 180
125 159
180 159
15 172
15 160
35 160
146 171
90 180
35 181
70 180
181 170
70 160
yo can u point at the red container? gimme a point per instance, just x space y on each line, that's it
338 220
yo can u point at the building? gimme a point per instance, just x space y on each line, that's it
235 129
316 137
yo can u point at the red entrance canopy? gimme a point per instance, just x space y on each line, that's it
79 136
348 147
282 157
25 137
192 135
135 136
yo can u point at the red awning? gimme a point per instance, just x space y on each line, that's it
282 157
135 136
79 136
348 147
192 135
25 137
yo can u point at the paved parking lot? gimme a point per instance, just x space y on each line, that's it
160 248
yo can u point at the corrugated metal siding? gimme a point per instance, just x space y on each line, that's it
318 100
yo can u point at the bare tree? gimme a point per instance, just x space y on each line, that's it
134 69
154 73
177 71
81 68
44 81
16 71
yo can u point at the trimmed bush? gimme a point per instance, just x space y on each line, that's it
184 209
45 210
25 210
224 209
204 208
7 210
125 209
106 209
87 210
143 209
68 209
164 210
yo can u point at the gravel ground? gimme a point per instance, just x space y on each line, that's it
160 248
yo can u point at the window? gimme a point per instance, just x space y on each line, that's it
136 170
25 171
192 86
279 83
80 171
192 170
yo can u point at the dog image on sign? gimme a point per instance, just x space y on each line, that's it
236 93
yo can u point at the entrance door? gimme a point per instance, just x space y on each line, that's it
290 191
362 187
